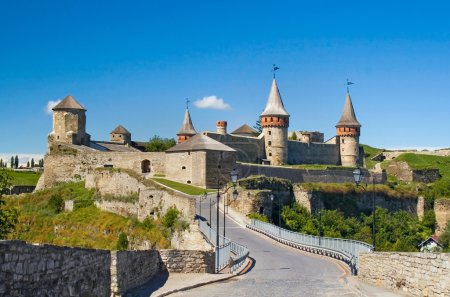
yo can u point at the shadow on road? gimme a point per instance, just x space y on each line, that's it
153 285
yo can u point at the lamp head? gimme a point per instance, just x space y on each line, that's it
271 197
235 194
357 175
234 175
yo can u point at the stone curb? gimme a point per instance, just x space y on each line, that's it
201 284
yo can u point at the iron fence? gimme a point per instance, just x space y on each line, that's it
344 249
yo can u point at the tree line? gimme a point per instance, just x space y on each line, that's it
14 163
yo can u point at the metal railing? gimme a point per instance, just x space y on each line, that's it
228 253
346 250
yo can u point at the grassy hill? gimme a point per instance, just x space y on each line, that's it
24 178
41 220
369 153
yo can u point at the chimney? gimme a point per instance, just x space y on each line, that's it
222 127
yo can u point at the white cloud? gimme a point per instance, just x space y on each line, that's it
50 105
212 102
23 158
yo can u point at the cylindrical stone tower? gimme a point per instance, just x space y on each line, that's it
275 123
348 130
222 127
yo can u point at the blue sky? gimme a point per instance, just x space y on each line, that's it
134 63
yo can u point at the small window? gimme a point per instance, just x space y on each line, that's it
183 167
57 137
120 135
270 132
270 143
270 154
188 181
342 140
189 153
271 119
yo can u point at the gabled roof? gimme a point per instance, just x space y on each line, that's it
245 129
348 117
68 103
275 104
120 130
432 238
200 142
187 128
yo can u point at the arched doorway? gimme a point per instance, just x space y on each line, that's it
145 166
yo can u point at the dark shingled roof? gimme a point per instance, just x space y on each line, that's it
187 128
120 130
200 142
348 118
275 104
68 103
245 129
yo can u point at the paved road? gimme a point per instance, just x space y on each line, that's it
278 270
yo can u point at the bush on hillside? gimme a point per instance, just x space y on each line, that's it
122 242
55 203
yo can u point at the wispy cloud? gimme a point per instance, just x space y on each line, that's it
23 158
212 102
50 105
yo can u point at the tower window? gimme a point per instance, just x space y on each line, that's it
270 143
342 140
271 119
183 167
270 154
270 132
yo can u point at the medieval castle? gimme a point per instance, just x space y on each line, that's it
198 158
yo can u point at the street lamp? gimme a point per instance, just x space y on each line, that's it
358 175
234 177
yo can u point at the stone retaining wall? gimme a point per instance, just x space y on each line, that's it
180 261
442 211
418 274
47 270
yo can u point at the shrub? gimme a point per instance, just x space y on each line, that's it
170 218
55 204
258 217
122 242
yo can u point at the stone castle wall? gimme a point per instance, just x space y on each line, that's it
442 211
307 176
186 167
417 274
47 270
404 172
74 163
153 199
249 149
313 153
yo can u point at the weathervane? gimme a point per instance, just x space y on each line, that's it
348 83
274 69
187 103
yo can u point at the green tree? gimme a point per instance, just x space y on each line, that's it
1 163
12 162
294 136
444 239
28 164
8 216
170 218
32 162
159 144
258 126
16 162
122 242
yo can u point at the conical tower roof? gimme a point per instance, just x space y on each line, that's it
187 128
120 130
68 103
275 106
348 117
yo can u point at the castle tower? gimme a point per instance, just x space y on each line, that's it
222 127
275 123
69 123
187 129
120 135
348 131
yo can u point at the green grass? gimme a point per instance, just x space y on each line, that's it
187 189
319 167
369 153
24 178
84 227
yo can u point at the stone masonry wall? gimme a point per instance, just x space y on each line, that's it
418 274
130 269
29 270
54 271
180 261
442 211
75 164
313 153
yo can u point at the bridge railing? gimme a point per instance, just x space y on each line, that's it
227 252
344 249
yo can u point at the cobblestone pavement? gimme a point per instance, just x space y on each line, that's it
278 270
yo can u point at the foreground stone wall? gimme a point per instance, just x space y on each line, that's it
442 211
29 270
130 269
47 270
180 261
418 274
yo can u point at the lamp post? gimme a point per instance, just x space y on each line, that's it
358 175
234 176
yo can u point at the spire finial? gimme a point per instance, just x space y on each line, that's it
187 103
348 83
274 69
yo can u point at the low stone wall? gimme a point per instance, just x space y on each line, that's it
180 261
418 274
17 190
442 211
47 270
30 270
130 269
402 171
